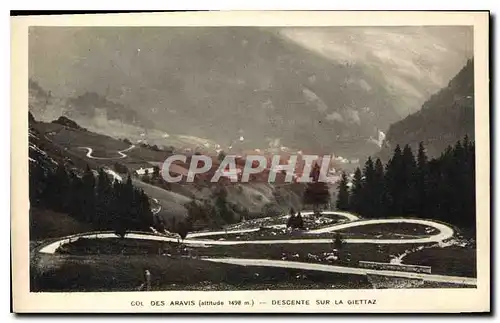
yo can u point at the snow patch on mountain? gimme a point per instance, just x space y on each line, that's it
379 140
314 99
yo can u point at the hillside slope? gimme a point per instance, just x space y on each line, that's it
53 144
445 118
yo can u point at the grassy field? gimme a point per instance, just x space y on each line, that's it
125 273
456 260
118 265
390 230
283 234
46 224
316 253
75 138
447 261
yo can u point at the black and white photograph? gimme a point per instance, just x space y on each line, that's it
252 158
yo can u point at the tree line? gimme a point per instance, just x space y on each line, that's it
442 188
105 204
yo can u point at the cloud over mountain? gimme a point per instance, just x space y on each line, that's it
325 89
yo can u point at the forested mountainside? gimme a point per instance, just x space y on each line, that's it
444 119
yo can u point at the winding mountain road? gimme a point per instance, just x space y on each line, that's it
120 152
343 269
444 232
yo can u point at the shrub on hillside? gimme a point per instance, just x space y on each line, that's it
295 221
120 168
338 242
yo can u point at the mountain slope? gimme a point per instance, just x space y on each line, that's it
445 118
67 144
222 84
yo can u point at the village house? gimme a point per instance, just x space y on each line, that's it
142 171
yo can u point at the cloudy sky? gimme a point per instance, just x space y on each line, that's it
192 79
405 55
152 66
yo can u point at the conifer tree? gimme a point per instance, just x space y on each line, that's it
299 221
469 182
316 192
422 181
103 204
379 190
89 195
76 198
37 182
145 178
393 179
356 196
337 241
58 189
407 182
156 172
367 207
343 195
222 207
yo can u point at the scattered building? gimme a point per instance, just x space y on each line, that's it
142 171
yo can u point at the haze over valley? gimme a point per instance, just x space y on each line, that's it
323 90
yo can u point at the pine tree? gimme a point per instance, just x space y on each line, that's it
145 178
291 221
316 192
450 186
338 242
393 179
156 172
379 192
222 207
146 216
75 195
299 221
89 195
183 228
422 181
469 184
367 207
37 182
356 196
408 174
103 199
106 205
58 189
343 195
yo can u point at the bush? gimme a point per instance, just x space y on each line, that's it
182 230
295 221
338 242
120 168
121 231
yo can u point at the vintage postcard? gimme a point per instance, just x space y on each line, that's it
200 162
